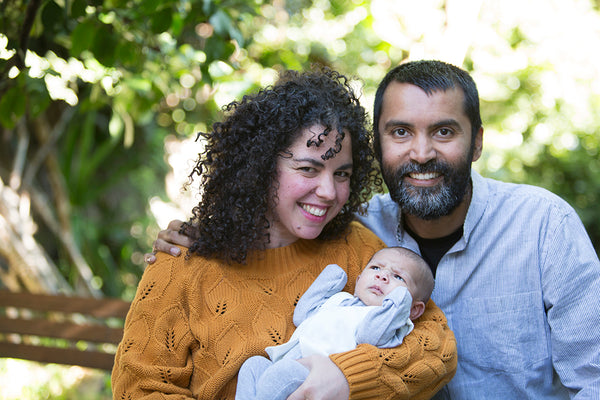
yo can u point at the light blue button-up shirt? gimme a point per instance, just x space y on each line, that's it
521 291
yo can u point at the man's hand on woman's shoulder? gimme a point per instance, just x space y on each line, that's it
167 241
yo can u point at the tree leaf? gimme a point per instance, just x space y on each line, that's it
161 21
78 8
104 45
12 106
82 37
52 16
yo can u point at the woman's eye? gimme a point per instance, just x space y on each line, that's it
343 174
306 169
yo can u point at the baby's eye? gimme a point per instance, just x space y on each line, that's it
398 277
375 268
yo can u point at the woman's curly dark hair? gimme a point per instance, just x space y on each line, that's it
237 168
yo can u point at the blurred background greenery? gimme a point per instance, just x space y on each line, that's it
100 101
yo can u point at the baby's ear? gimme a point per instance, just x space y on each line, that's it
416 310
356 283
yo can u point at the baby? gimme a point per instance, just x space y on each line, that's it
390 292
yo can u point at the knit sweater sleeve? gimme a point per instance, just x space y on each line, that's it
153 359
417 369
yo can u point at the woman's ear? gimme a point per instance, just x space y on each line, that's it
417 309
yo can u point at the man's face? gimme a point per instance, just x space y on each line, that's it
426 149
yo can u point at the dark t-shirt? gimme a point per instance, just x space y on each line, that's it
432 250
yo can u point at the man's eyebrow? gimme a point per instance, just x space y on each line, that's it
445 122
397 122
438 124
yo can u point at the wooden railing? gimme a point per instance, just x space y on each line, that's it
61 329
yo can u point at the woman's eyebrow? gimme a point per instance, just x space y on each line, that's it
318 163
312 161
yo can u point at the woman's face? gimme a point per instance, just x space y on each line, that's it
312 191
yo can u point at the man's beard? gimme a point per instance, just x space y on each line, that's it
430 202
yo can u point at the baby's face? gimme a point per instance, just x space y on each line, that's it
387 270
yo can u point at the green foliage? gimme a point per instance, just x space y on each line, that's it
91 90
117 61
563 159
27 380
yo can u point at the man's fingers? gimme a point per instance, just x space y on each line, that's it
166 246
175 225
174 237
149 258
166 240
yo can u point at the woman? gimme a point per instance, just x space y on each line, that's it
281 178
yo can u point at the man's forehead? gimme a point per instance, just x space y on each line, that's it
410 99
396 87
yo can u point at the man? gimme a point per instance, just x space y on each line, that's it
516 273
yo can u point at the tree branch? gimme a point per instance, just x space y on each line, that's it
32 9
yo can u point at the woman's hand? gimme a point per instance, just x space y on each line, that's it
324 382
166 240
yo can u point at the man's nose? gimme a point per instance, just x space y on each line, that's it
422 149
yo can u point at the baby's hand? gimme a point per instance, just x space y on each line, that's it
398 295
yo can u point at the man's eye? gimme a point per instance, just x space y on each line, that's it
399 132
343 174
445 132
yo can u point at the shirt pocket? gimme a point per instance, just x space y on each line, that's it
504 333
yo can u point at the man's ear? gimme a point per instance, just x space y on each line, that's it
416 310
478 145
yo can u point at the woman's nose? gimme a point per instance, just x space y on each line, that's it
326 188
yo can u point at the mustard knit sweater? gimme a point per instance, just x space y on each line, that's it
194 321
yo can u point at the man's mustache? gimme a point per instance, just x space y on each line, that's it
430 166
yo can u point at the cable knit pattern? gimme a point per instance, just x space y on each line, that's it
193 323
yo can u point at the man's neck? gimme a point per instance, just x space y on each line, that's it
442 226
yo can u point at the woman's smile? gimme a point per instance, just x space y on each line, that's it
314 211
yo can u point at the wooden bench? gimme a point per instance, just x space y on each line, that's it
61 329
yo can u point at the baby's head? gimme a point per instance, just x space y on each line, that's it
392 267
